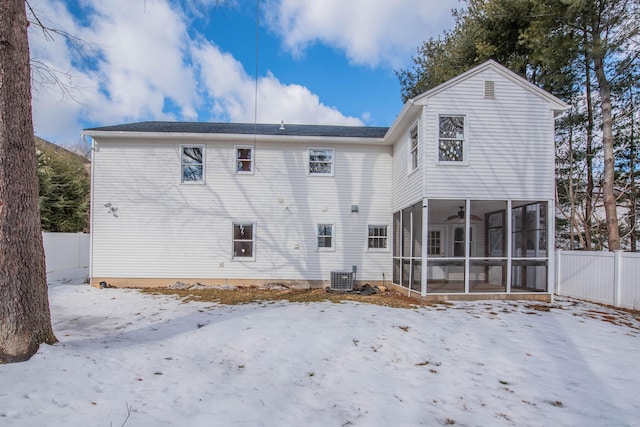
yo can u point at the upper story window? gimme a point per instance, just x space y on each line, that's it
320 161
378 237
413 149
325 237
244 159
452 143
192 163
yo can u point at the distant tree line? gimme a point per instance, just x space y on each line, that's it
586 52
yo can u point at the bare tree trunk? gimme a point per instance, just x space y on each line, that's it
632 168
589 202
609 197
25 321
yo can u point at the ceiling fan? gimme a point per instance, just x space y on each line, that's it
459 216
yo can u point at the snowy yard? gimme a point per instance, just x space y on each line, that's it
324 364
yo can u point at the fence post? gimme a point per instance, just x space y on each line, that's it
558 265
617 277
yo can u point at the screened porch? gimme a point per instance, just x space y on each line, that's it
472 246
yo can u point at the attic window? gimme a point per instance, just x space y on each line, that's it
489 89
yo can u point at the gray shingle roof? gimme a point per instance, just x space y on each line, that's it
249 129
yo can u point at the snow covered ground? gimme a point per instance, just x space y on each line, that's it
166 363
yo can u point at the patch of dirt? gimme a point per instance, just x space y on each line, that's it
253 294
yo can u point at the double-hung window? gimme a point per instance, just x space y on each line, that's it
413 149
320 161
192 163
244 159
243 240
325 237
434 244
378 237
452 142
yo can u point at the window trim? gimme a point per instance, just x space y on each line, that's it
414 152
465 140
253 241
333 237
333 161
386 238
236 159
182 164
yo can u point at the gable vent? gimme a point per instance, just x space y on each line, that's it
489 89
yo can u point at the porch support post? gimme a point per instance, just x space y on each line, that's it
509 248
551 232
467 235
617 278
425 247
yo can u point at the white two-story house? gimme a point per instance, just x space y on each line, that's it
455 199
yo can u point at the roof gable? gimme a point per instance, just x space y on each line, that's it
556 104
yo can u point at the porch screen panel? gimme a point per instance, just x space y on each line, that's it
530 247
407 250
406 233
397 246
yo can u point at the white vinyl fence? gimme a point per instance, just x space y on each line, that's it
64 251
606 277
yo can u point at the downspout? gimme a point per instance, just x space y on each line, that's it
425 204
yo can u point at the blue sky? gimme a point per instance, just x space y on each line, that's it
319 62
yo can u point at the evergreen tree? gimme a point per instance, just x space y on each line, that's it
64 191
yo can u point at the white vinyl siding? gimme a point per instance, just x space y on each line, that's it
509 142
407 188
166 230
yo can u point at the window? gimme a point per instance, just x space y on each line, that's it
451 139
244 160
434 245
325 237
414 149
459 243
495 231
377 237
192 163
243 240
320 161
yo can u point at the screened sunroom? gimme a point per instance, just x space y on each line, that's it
472 246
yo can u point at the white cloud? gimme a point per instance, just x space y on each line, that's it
369 32
234 92
151 66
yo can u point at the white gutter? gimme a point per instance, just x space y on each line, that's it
230 137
